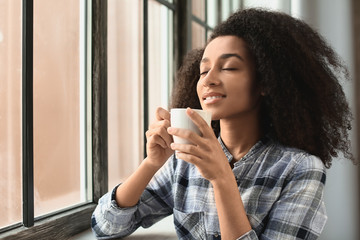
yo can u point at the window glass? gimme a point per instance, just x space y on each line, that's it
209 32
10 112
125 76
225 9
279 5
235 5
58 116
212 13
198 9
198 35
160 56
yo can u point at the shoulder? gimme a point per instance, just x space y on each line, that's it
300 158
281 161
298 163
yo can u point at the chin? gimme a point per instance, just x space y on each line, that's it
214 116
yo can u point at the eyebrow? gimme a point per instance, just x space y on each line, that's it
224 56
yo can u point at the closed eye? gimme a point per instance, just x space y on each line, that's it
203 73
229 69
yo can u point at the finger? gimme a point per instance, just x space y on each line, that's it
186 134
188 158
162 114
151 132
187 148
162 133
160 123
157 140
204 128
166 136
160 128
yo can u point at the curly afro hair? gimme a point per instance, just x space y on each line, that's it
304 104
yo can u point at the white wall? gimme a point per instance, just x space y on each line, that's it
332 18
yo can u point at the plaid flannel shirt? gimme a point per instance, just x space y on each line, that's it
281 188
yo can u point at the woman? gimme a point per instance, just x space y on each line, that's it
280 115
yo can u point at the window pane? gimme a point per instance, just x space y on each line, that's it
209 32
10 112
198 8
125 134
278 5
160 56
58 116
236 5
198 35
225 9
212 13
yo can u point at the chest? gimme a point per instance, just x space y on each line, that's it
195 207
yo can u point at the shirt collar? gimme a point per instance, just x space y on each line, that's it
263 141
228 155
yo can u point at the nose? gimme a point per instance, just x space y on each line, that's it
211 78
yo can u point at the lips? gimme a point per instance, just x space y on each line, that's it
212 97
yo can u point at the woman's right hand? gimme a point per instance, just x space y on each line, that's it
158 139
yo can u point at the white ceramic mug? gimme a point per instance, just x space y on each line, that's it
179 119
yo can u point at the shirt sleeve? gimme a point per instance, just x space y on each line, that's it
300 212
110 221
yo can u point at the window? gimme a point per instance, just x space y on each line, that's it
45 114
160 56
59 106
140 77
198 23
125 88
10 112
277 5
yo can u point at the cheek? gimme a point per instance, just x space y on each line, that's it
245 93
198 89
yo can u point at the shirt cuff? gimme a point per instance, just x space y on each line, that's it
113 193
114 204
251 235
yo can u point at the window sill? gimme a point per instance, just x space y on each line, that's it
59 226
163 230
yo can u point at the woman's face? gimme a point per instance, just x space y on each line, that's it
227 86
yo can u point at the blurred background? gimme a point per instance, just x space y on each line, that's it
141 58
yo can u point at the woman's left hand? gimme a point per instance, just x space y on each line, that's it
205 152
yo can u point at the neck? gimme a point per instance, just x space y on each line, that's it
240 134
